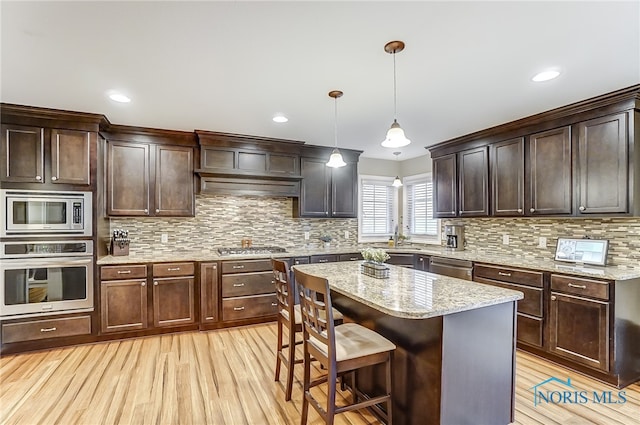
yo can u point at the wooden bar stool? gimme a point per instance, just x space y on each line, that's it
340 349
289 317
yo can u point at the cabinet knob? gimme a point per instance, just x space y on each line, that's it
143 284
54 178
532 210
146 211
519 210
155 283
582 208
38 178
420 259
157 210
553 298
453 212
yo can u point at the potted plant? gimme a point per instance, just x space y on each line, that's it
375 255
373 265
327 240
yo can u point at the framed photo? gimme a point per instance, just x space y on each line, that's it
584 251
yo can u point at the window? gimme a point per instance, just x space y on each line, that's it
378 208
419 223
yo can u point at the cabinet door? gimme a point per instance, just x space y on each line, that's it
507 177
580 330
174 191
123 305
173 302
549 172
315 188
445 188
128 179
71 156
285 165
603 165
209 312
422 262
344 191
22 155
474 182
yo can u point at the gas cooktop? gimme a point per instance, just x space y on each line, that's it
251 250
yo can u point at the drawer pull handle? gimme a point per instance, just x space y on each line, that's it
174 269
573 285
238 308
553 298
238 285
49 329
238 267
353 258
504 274
124 271
274 304
322 261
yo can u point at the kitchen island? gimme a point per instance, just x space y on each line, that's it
455 356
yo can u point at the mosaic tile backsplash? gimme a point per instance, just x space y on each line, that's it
524 233
226 220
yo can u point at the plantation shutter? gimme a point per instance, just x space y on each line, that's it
377 208
419 198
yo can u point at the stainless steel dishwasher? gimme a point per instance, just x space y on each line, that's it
451 267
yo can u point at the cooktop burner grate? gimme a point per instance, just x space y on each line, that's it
251 250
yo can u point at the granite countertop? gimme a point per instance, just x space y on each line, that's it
607 272
408 293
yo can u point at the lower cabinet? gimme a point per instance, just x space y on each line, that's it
34 329
580 320
422 262
124 297
209 290
247 289
402 260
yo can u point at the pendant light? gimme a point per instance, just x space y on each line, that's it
397 182
335 160
395 136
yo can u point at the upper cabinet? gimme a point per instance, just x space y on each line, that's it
235 164
149 172
46 149
327 192
577 160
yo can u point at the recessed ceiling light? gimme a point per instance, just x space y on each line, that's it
545 76
280 118
119 97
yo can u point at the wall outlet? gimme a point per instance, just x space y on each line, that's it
542 242
505 239
164 238
346 234
306 236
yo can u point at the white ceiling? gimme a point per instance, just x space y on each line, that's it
230 66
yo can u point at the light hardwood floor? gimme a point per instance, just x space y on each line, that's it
220 377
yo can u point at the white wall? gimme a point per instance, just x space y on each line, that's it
419 165
379 167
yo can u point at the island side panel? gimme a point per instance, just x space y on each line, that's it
417 361
478 367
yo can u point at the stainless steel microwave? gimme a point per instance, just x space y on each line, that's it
45 213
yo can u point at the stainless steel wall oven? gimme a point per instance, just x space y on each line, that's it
45 277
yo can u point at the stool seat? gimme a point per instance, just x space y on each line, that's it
353 340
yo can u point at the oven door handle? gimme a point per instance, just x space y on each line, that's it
32 263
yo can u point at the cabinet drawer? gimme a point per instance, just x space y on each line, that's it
506 274
243 266
43 329
529 330
248 307
532 301
578 286
123 272
241 284
350 257
173 269
329 258
401 259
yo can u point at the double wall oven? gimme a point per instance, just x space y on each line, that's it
46 253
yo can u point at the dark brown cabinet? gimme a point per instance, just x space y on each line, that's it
327 192
247 290
350 257
473 175
549 173
531 317
579 320
27 158
445 186
603 184
507 177
209 290
173 294
323 258
149 180
422 262
123 298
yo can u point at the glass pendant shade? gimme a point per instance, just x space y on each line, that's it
395 137
335 160
397 182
